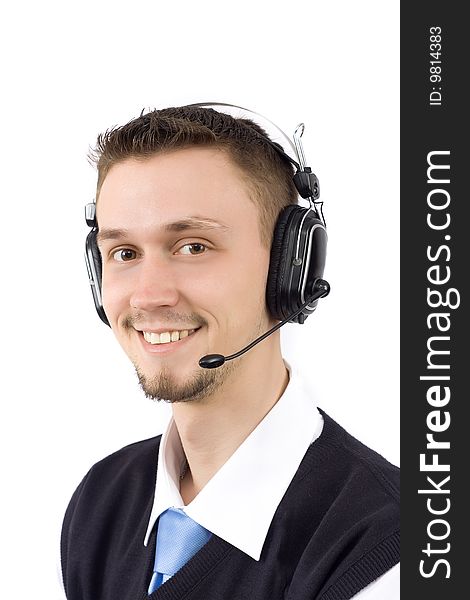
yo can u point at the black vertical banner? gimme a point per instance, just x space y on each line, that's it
435 248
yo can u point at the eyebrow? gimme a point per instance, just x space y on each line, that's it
175 226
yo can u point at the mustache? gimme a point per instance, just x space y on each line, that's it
170 317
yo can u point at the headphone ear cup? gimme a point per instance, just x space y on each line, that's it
290 282
277 264
96 254
95 266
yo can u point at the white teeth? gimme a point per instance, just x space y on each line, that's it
166 337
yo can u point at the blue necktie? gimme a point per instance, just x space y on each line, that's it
178 540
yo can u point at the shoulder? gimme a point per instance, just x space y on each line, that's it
130 470
345 500
357 462
118 489
348 475
133 456
362 485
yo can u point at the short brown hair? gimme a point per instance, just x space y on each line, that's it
267 174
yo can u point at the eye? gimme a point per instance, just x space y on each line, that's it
124 255
194 249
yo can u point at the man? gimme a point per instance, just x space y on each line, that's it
251 492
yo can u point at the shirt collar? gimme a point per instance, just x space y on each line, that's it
239 502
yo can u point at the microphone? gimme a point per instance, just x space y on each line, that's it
321 288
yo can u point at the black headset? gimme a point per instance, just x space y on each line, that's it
298 251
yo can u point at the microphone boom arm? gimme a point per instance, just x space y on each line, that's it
321 288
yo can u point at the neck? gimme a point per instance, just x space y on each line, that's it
211 430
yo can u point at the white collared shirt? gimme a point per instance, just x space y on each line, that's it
260 466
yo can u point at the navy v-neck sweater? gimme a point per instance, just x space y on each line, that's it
335 531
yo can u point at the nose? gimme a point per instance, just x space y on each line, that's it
154 285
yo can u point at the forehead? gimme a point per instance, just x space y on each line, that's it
201 182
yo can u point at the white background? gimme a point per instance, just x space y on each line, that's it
69 395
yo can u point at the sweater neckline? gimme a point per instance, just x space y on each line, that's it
185 580
216 549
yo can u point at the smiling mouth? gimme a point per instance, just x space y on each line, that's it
166 337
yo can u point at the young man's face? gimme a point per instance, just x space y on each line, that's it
182 260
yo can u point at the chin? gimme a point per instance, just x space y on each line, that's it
196 386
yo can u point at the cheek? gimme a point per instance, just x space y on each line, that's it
113 296
241 290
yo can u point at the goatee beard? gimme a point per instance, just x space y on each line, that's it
202 384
